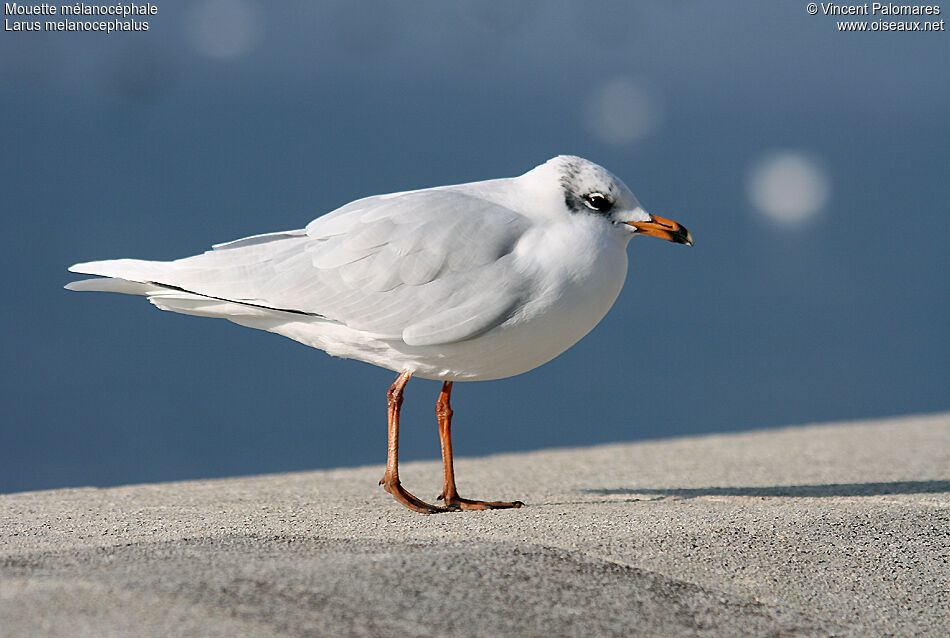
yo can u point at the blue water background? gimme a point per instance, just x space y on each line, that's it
137 145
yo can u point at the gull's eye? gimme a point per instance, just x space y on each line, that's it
598 202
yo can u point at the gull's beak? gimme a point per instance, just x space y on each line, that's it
664 229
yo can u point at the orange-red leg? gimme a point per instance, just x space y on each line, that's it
390 480
450 496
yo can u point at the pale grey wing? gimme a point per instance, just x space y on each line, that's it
484 301
427 267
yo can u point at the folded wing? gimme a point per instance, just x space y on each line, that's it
426 267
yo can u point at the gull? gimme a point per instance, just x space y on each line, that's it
470 282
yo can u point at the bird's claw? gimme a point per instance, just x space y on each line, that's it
414 503
469 504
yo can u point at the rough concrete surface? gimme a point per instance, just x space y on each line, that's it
827 530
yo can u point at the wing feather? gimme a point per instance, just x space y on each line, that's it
426 267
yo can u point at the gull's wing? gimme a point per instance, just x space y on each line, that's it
428 267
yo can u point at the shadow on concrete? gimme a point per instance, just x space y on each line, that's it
807 491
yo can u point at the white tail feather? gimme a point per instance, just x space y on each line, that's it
140 270
114 285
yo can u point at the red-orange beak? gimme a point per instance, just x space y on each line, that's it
664 229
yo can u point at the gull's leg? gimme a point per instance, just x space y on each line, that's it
443 411
390 480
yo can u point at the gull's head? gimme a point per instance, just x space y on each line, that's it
591 190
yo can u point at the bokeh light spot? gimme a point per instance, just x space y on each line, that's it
623 111
788 187
224 29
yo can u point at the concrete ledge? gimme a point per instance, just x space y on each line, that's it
839 529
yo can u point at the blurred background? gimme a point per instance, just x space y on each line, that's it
811 166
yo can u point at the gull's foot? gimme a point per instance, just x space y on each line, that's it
415 504
468 504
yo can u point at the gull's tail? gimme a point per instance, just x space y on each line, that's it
227 282
129 276
137 277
